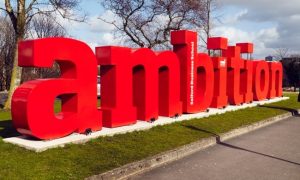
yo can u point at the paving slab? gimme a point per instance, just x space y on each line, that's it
270 153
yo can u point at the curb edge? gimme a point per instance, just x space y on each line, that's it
149 163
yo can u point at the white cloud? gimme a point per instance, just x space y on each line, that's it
108 38
229 19
97 25
267 9
92 24
284 14
259 38
283 30
93 31
233 34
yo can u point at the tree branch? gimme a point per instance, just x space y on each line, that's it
11 14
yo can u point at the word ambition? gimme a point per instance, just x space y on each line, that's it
135 83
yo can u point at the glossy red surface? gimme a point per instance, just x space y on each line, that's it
136 84
32 103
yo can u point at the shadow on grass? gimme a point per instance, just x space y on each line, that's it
293 111
218 140
203 130
7 129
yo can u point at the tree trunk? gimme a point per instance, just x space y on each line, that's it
2 75
19 21
15 78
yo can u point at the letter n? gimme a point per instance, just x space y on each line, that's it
275 89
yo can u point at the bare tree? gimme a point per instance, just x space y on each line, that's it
294 55
21 13
43 26
6 52
210 6
147 23
281 53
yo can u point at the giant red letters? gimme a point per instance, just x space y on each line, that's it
275 87
116 94
136 84
220 98
205 79
185 46
197 75
261 82
152 85
235 65
32 103
246 73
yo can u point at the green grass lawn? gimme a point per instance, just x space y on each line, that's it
106 153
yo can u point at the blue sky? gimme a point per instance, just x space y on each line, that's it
269 24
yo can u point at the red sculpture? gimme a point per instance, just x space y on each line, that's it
205 79
116 97
185 46
32 104
261 82
246 73
136 84
197 75
275 88
220 98
235 66
142 87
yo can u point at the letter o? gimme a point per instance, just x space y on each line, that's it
261 79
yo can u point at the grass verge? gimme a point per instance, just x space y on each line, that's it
105 153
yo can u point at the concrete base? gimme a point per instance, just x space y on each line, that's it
39 145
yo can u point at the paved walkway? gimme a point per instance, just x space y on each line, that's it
272 152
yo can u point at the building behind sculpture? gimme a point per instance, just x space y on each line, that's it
291 72
269 58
